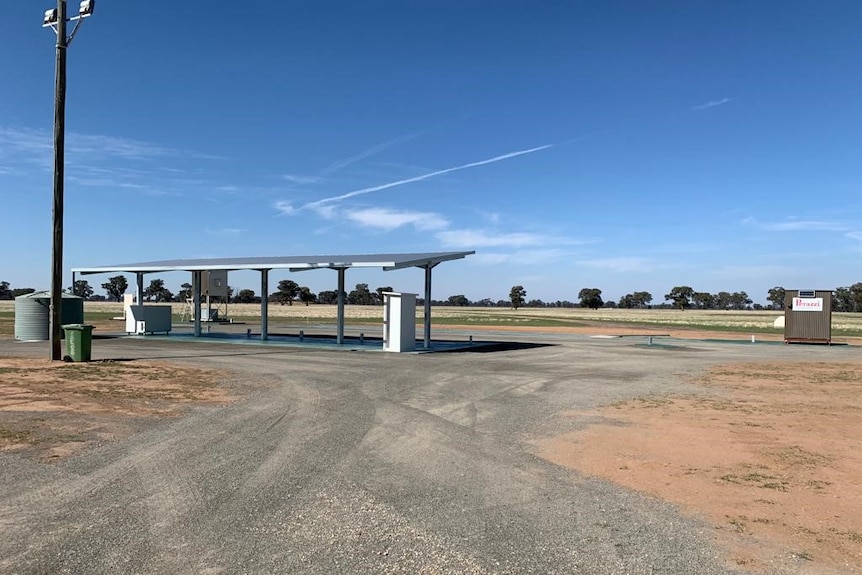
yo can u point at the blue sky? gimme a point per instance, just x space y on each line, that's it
626 146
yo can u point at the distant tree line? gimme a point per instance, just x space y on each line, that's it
844 299
7 292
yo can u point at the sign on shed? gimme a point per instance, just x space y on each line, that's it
808 316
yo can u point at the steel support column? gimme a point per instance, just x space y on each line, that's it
264 305
139 293
196 295
339 338
427 327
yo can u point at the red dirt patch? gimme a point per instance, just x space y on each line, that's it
770 455
52 409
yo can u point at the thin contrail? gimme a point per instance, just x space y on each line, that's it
363 191
377 148
713 104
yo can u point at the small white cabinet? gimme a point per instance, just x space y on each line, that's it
143 319
399 321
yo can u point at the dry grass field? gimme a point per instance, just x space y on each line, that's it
843 324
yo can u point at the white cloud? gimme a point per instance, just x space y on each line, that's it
326 212
756 272
226 231
482 239
854 235
793 225
97 145
713 104
488 258
83 151
284 207
522 257
542 256
622 264
300 179
386 219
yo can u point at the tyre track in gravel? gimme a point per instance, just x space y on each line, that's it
161 488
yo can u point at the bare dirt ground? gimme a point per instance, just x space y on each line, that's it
770 455
49 410
624 331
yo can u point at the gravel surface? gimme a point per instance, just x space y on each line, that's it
341 462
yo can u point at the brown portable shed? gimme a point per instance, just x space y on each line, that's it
808 316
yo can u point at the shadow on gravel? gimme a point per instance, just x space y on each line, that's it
492 347
200 355
666 347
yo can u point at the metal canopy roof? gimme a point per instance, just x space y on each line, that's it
292 263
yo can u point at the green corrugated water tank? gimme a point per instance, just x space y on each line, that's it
33 317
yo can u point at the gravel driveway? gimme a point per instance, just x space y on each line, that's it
361 462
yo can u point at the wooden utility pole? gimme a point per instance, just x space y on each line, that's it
57 213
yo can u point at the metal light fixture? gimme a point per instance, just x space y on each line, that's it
50 18
86 8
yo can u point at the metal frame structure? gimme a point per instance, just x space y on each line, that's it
339 263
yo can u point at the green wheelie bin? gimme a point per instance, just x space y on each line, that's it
79 341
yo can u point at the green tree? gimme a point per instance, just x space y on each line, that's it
842 300
739 300
287 292
306 296
776 297
591 298
5 292
185 292
723 300
115 287
81 288
379 291
517 295
458 300
21 291
642 299
157 291
361 296
856 296
681 296
328 297
637 300
703 300
245 296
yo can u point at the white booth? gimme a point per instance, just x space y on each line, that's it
399 321
143 319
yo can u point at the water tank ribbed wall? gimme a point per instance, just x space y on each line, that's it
33 318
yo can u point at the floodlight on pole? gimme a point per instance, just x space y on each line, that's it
56 19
